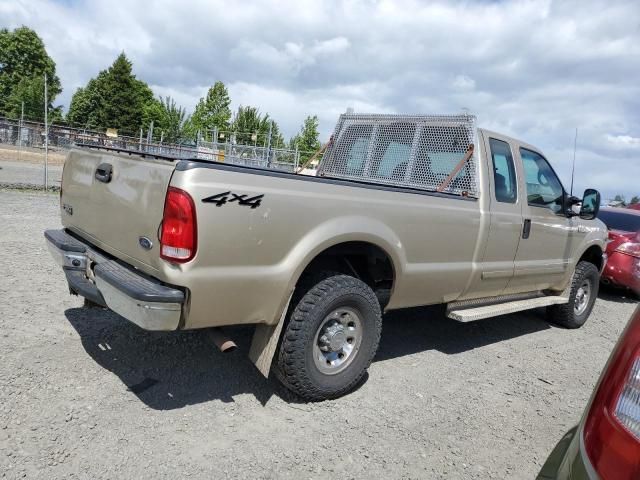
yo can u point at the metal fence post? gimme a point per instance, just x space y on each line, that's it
46 136
269 144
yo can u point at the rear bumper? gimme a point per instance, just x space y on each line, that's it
568 461
137 297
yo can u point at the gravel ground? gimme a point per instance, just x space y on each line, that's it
28 174
85 394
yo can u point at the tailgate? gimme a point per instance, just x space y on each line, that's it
115 212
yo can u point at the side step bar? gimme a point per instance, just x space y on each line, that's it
486 311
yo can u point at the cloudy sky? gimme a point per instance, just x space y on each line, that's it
533 69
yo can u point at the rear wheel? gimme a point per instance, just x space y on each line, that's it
331 338
582 296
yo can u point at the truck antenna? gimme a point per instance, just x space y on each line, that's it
573 166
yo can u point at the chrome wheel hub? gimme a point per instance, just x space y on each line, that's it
337 340
582 298
333 339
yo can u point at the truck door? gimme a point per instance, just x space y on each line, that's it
544 249
505 211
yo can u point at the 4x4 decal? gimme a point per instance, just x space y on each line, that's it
223 198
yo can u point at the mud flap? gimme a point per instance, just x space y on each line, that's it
265 342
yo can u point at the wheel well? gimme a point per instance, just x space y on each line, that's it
362 260
593 254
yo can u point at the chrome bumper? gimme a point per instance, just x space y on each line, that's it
131 294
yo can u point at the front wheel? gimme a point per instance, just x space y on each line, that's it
331 338
582 296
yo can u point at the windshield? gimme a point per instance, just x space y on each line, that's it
621 220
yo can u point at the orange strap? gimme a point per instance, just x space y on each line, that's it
456 170
312 158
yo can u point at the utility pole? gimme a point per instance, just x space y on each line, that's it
20 131
150 133
269 144
573 166
46 136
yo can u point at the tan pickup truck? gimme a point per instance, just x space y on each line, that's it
403 211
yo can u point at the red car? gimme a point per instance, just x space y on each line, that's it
623 249
605 445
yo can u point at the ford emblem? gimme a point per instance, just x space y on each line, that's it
145 243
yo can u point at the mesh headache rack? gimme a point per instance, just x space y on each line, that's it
428 152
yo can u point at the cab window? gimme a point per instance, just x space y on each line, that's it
351 150
504 174
391 151
543 186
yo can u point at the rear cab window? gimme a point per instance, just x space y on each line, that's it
504 174
353 145
392 150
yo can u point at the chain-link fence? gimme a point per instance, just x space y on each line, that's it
26 140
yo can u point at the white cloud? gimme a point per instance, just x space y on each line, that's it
536 69
463 82
624 141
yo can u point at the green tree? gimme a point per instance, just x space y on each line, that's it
23 61
30 92
248 121
307 140
114 99
155 112
168 119
211 112
635 199
84 108
277 139
124 97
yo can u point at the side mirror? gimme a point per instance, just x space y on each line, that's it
590 204
569 202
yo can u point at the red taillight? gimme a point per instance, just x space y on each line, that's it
612 427
178 238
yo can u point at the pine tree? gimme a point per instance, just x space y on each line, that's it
124 97
114 99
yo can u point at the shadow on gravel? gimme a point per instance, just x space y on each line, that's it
173 369
405 332
618 295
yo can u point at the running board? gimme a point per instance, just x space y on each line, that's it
486 311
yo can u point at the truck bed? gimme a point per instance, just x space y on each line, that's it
263 244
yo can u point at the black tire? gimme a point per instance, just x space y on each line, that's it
565 315
296 365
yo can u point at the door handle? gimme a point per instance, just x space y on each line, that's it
526 228
103 172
